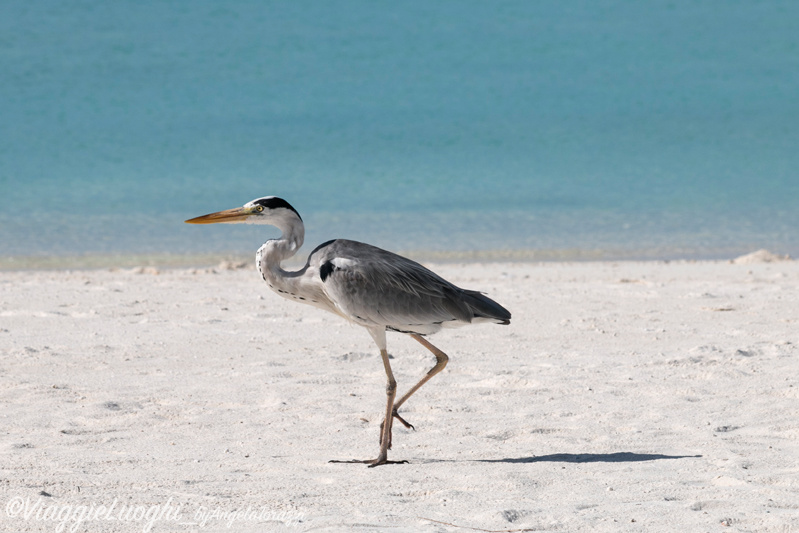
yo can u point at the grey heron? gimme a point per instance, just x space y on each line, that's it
369 286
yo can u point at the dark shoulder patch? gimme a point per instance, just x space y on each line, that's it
326 269
274 202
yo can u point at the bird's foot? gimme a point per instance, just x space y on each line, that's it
403 421
371 463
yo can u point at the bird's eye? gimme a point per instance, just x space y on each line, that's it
259 208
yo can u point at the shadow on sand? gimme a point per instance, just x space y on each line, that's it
619 457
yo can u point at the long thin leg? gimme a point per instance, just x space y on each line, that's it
441 362
391 391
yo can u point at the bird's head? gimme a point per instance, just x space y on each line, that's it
267 210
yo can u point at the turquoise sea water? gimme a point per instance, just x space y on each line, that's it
563 129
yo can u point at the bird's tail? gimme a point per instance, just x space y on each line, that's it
484 307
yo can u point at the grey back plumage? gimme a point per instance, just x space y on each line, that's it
375 287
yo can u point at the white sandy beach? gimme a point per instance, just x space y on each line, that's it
623 397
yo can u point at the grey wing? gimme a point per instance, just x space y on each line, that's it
375 287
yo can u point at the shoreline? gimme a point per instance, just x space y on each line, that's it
170 261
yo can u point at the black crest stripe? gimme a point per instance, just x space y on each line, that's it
276 203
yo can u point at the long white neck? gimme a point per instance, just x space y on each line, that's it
275 251
296 285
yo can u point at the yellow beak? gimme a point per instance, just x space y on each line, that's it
239 214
